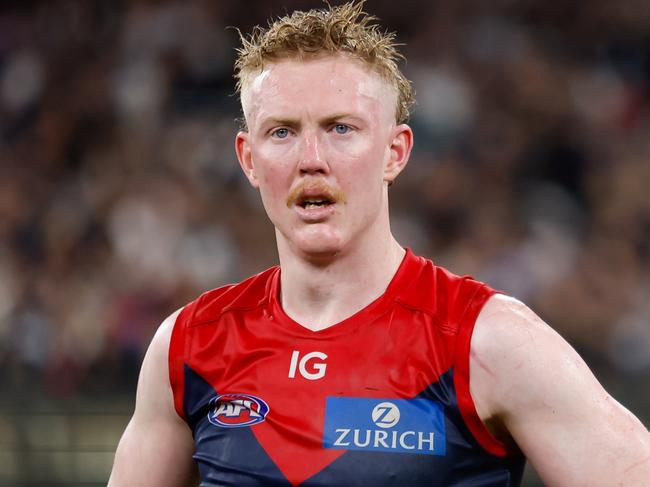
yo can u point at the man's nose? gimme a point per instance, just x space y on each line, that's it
312 157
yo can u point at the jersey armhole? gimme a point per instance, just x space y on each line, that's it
462 374
176 360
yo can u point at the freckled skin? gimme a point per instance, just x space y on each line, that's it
327 125
327 121
529 386
353 163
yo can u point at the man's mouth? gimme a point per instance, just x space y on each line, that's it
309 203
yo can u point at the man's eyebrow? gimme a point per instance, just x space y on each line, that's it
272 121
338 116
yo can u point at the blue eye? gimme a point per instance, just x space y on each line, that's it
281 133
341 128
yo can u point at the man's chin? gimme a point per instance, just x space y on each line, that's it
318 249
314 243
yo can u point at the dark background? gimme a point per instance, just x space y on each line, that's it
121 198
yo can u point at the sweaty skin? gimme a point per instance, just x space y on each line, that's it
346 139
329 123
528 384
156 447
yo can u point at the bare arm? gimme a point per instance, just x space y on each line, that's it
156 447
529 382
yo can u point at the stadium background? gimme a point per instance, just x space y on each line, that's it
121 198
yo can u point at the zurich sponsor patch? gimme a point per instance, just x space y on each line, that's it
237 410
388 425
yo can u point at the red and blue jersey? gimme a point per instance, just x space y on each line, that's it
381 398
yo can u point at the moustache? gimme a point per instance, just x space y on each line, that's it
314 188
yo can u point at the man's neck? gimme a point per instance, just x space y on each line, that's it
318 296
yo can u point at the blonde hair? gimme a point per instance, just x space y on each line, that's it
345 29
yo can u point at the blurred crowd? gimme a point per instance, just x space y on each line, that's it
121 198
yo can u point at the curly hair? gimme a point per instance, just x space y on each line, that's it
343 29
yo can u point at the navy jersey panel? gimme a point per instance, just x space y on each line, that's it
381 398
226 457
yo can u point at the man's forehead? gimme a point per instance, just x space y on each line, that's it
331 62
288 80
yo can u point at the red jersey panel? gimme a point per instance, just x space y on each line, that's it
381 398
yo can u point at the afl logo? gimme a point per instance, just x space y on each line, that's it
237 410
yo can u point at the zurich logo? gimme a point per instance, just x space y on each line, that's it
237 410
413 426
385 415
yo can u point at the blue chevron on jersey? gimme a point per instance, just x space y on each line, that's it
396 389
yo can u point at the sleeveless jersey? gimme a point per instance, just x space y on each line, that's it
381 398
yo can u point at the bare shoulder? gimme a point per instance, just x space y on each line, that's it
526 378
511 337
163 334
506 318
156 447
154 375
523 359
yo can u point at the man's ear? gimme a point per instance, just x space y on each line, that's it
399 152
245 157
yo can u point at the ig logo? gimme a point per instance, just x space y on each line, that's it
385 415
301 364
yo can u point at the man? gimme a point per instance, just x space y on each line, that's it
355 362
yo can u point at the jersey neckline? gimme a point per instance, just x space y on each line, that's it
365 315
